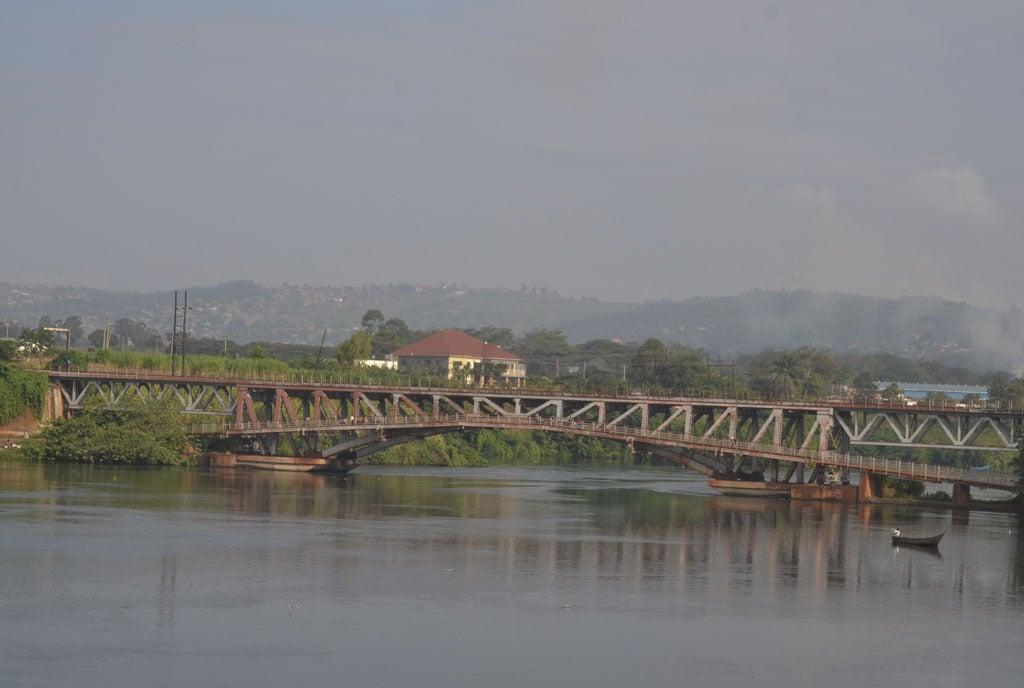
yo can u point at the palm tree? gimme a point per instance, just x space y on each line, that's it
788 374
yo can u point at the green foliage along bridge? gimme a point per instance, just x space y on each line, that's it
718 437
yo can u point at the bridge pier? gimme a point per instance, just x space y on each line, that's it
54 404
869 487
961 496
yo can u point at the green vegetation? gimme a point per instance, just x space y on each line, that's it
20 391
150 433
534 448
434 451
356 348
600 365
904 488
485 447
1018 462
255 366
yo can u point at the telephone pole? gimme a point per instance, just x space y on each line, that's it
174 334
184 332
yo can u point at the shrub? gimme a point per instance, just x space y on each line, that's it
150 432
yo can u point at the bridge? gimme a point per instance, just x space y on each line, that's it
339 423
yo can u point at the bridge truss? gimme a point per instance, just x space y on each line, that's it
716 436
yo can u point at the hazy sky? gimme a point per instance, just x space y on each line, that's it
625 150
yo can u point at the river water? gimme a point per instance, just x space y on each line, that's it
503 576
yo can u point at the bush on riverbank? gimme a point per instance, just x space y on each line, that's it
433 451
140 433
20 391
484 447
904 488
536 447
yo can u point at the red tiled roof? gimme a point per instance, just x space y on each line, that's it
454 343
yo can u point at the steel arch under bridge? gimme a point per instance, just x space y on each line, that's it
716 436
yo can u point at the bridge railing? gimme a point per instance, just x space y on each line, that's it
893 467
849 402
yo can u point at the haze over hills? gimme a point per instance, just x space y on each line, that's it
752 321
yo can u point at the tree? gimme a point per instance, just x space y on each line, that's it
647 361
489 371
8 350
500 336
256 350
543 351
96 338
864 385
372 320
149 432
893 392
74 325
788 373
38 338
393 334
355 348
1004 387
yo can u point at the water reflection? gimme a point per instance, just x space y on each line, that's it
533 524
497 576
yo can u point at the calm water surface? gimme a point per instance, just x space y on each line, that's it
505 576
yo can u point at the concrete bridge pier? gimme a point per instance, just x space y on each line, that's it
870 486
54 407
961 495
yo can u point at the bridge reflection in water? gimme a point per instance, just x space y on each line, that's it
400 576
641 527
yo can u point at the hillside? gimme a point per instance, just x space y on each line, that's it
245 311
912 327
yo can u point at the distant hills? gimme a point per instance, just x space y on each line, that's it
246 311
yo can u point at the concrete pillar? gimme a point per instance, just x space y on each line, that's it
961 495
869 487
54 407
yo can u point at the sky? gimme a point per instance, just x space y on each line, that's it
622 150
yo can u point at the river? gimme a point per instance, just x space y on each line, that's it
501 576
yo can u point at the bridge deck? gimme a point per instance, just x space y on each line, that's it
833 403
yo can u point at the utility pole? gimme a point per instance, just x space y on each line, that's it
584 371
320 351
184 332
174 334
558 368
732 368
623 372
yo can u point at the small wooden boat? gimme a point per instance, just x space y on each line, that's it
749 488
932 541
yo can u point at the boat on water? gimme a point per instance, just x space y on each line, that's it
932 541
749 488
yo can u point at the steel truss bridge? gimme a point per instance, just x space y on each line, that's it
345 422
